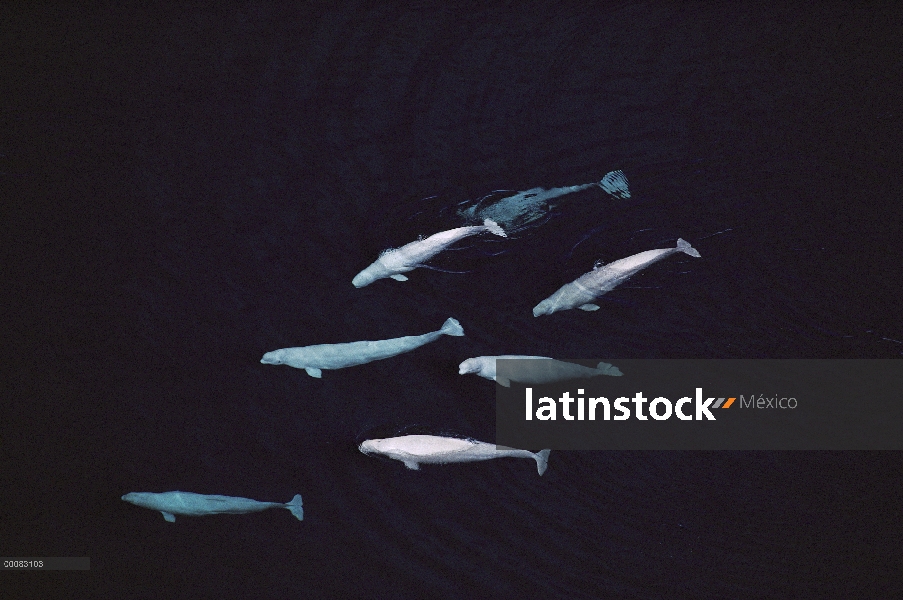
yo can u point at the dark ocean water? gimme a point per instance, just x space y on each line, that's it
186 189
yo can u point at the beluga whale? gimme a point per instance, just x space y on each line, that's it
395 261
314 359
515 210
602 279
189 504
540 369
413 450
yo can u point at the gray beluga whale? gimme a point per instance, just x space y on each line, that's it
393 262
522 208
548 370
189 504
602 279
338 356
413 450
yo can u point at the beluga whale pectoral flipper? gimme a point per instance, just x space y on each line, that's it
413 450
392 263
539 369
581 292
195 505
337 356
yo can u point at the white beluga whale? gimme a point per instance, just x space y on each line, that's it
602 279
188 504
338 356
539 370
393 262
413 450
513 211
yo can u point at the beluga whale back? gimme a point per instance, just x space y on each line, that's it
195 505
582 291
413 450
338 356
392 263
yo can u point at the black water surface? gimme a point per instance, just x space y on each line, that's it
186 189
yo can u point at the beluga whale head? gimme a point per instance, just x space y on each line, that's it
272 358
370 446
481 366
471 365
139 498
546 307
375 271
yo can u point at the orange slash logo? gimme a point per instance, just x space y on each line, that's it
722 401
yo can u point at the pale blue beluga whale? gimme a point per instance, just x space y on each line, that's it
413 450
602 279
338 356
188 504
540 369
518 210
395 261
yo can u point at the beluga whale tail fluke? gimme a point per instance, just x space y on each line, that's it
413 450
685 247
494 228
581 292
393 262
542 461
313 359
296 507
615 183
452 327
190 504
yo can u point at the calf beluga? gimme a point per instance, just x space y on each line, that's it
338 356
413 450
582 291
393 262
196 505
513 211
